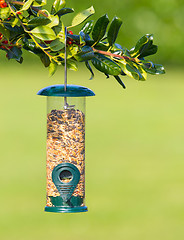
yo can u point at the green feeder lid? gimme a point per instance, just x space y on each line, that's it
71 91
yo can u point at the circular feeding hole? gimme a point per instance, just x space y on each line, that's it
65 176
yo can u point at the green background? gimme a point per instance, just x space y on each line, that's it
134 141
163 18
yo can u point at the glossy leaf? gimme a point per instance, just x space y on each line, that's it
54 21
146 64
60 31
106 65
155 69
36 21
120 81
118 46
72 51
45 59
64 11
13 22
39 3
72 65
140 44
15 53
142 71
82 38
44 33
100 27
4 31
113 30
4 13
90 69
148 51
85 54
87 28
134 71
82 16
57 5
102 46
56 45
27 5
31 47
52 68
130 69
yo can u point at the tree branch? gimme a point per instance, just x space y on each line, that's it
115 55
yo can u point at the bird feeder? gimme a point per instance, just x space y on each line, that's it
65 147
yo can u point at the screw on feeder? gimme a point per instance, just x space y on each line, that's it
66 105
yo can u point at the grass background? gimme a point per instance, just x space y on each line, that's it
134 158
134 139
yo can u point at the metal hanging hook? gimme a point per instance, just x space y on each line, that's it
66 105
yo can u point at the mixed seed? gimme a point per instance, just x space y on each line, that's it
65 144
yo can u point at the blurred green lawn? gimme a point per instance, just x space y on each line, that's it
134 158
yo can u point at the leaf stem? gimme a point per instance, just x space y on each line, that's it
116 55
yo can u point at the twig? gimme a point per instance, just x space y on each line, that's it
115 55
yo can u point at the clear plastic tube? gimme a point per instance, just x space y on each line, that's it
65 154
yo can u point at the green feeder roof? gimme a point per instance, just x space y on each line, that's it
71 91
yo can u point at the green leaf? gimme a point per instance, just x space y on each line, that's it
44 33
82 16
56 45
146 39
13 22
106 65
57 5
15 53
155 69
72 65
60 31
64 11
39 3
45 59
27 5
31 47
120 81
100 27
87 28
4 13
36 21
82 38
72 51
102 46
85 54
90 69
150 50
54 21
132 70
52 68
4 31
113 30
159 69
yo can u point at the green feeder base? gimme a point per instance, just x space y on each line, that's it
66 209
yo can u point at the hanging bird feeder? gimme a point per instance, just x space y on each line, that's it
66 147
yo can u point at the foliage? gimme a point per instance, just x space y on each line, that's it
26 25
